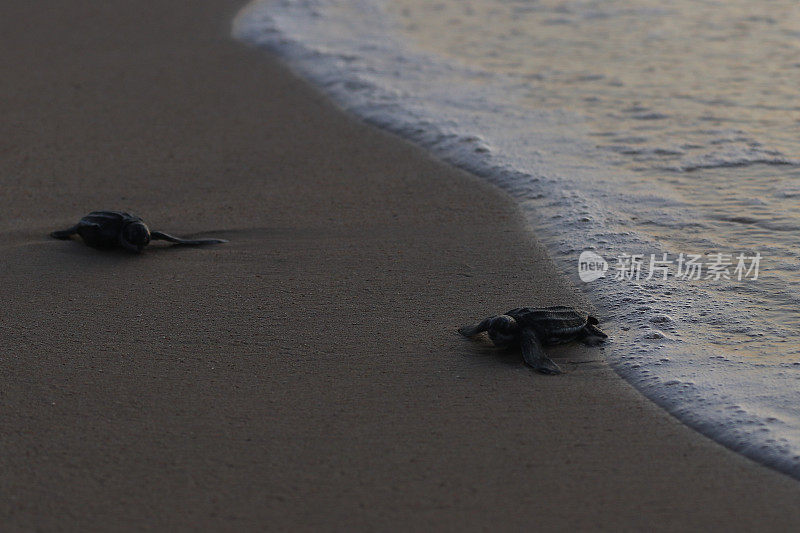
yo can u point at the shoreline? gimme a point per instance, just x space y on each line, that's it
308 373
676 350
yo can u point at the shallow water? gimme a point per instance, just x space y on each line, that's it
622 127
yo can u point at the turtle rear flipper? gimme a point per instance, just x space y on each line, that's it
534 355
159 235
64 234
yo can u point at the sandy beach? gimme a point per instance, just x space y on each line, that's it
308 374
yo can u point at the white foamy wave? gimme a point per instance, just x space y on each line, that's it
673 340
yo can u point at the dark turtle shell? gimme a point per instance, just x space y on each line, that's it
110 229
552 325
105 229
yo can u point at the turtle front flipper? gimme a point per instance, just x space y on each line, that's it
534 355
159 235
480 327
64 234
594 335
595 331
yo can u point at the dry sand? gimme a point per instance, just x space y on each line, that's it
307 374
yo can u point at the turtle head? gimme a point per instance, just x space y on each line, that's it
503 330
135 236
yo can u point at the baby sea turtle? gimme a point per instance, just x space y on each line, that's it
109 229
534 327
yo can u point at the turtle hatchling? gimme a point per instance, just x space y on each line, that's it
112 229
534 327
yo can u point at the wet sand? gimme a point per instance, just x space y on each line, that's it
307 374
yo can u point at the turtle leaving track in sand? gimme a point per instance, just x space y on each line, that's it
534 327
112 229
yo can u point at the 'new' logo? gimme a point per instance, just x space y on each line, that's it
591 266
